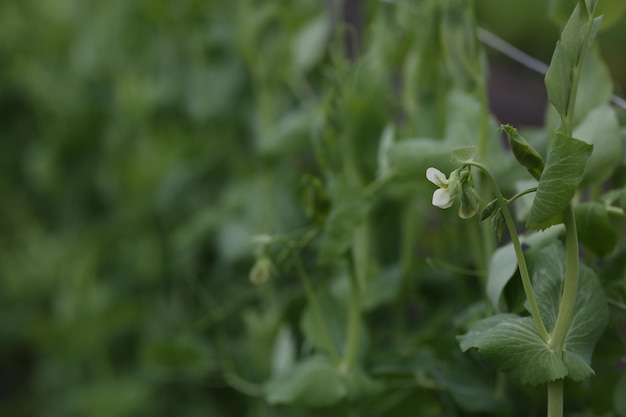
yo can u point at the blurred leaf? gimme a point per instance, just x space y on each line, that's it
310 44
335 318
464 155
559 181
472 391
595 87
349 207
383 288
119 397
178 356
502 267
594 227
386 141
315 382
284 353
412 157
601 129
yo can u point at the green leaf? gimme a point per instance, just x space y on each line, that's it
601 129
594 227
335 319
512 344
310 44
383 288
595 86
412 157
314 382
525 154
349 209
590 311
558 79
575 38
464 155
386 141
502 267
622 199
562 174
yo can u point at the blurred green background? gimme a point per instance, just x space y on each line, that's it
142 144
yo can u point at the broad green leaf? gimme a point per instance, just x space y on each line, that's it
594 227
314 382
525 154
502 267
349 209
561 176
601 129
590 312
591 316
622 199
512 344
464 155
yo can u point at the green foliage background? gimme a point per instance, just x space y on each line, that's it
142 145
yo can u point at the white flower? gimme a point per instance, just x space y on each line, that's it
444 196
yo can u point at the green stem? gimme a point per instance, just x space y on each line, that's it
354 318
521 194
555 398
317 311
566 309
519 253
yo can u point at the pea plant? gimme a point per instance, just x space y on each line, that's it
372 327
565 308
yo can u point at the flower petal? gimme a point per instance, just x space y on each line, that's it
436 177
442 198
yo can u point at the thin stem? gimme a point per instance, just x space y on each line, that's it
521 194
566 309
317 311
555 398
354 318
519 253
